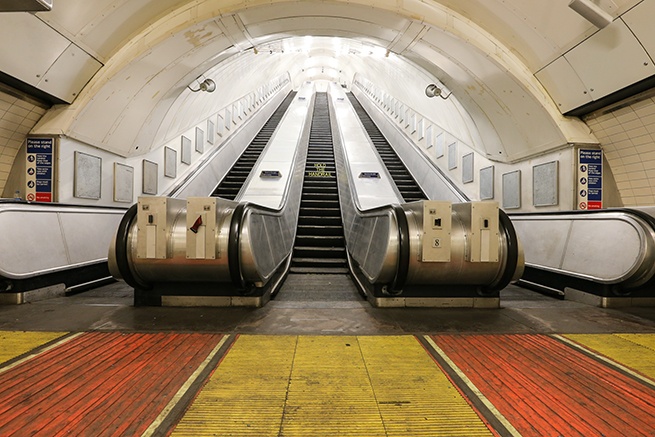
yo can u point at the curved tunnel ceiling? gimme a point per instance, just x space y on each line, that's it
139 98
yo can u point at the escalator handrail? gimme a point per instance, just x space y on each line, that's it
646 217
234 244
26 205
402 270
513 251
122 237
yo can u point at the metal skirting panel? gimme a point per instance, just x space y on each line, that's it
434 302
99 383
15 344
214 301
57 290
607 302
543 386
326 386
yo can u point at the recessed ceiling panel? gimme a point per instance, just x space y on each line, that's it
322 26
610 60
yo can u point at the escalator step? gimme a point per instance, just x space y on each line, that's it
320 240
319 270
323 253
320 230
328 262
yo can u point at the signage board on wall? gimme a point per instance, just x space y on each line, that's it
40 170
590 179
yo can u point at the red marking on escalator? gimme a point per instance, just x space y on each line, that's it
99 384
545 388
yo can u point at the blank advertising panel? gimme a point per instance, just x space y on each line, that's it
123 183
170 162
467 168
200 140
88 176
487 183
512 190
452 156
186 150
544 184
149 177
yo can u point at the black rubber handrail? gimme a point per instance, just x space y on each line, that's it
122 237
233 252
404 250
512 254
59 205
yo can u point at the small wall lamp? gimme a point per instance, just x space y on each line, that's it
432 91
207 85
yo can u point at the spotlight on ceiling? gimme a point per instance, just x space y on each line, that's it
433 91
591 12
206 85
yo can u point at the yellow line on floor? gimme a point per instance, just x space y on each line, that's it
330 392
631 352
14 344
326 386
246 394
182 391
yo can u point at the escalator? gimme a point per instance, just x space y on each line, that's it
233 181
399 173
319 247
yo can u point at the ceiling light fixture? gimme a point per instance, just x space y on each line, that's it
432 91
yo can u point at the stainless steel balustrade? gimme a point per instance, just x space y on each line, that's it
387 245
606 252
239 248
44 243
